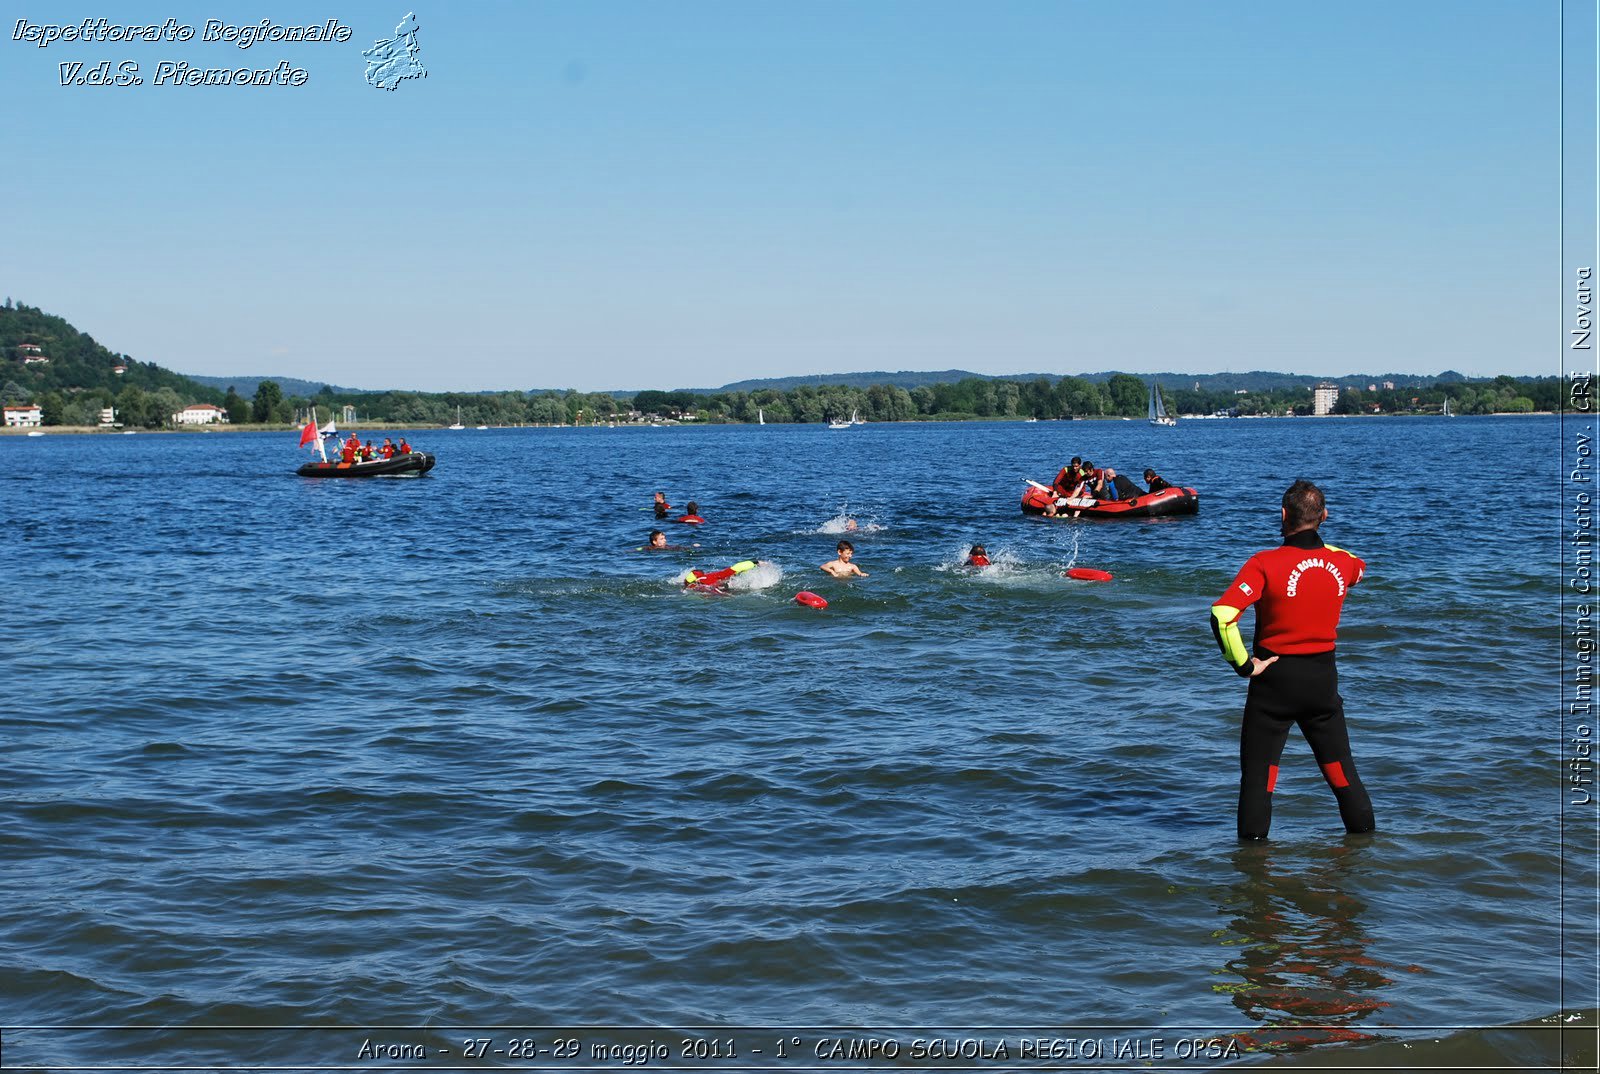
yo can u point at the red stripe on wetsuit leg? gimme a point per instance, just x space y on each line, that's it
1272 777
1335 773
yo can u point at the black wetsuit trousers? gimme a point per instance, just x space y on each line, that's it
1300 690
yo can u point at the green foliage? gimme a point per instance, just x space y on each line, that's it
50 408
163 407
269 405
238 410
135 406
1127 394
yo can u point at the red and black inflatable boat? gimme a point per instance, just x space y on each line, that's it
1169 501
412 464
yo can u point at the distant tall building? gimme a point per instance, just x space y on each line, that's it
1323 396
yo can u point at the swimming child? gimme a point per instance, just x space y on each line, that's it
658 543
661 505
842 567
978 557
691 514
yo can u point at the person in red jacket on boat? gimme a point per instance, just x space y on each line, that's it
347 453
1069 483
1298 591
1070 477
387 450
404 448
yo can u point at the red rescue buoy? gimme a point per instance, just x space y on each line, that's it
809 599
1089 574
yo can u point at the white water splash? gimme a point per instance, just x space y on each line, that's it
845 523
1071 535
764 575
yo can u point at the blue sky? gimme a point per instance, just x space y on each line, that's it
608 195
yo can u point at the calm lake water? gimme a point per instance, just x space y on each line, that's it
449 753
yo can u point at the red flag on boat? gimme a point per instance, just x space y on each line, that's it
308 434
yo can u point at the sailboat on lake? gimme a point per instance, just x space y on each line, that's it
1158 409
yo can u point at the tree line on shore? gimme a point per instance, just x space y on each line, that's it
1123 395
82 378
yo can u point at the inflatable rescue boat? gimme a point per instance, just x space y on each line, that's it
412 464
1169 501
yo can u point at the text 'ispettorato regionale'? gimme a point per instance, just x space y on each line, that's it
179 72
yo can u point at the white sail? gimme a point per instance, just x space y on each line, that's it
1158 408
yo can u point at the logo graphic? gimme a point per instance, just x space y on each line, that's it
391 62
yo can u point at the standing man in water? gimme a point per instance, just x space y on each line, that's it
1298 590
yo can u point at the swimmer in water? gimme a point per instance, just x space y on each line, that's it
978 557
658 543
842 567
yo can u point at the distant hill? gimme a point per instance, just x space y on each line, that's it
76 363
246 386
1257 380
906 378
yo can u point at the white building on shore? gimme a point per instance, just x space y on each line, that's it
1323 398
200 414
20 416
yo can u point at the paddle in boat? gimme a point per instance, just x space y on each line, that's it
1169 501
